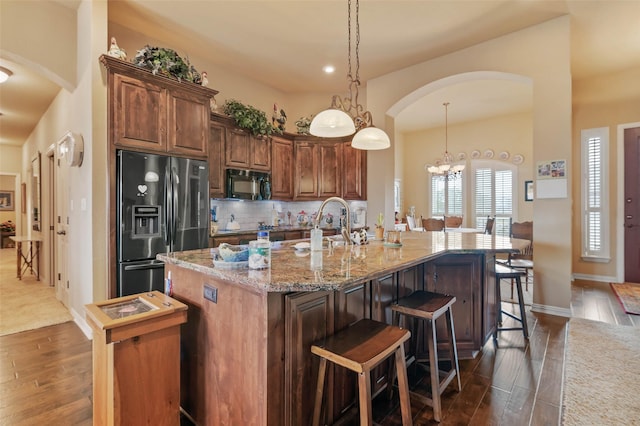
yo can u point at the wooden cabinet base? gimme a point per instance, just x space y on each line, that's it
136 365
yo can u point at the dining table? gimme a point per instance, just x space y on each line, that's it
26 259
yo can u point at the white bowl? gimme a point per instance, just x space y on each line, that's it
303 245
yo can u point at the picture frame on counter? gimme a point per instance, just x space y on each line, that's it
528 190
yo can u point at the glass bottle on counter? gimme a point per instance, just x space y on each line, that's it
260 251
316 239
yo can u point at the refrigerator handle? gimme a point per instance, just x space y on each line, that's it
174 199
167 210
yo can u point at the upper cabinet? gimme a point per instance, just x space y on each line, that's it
281 168
155 113
245 151
329 168
354 173
217 136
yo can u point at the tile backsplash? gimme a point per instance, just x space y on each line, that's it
248 213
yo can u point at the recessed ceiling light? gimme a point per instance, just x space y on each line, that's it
329 69
4 74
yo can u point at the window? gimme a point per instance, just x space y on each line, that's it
494 194
595 200
446 196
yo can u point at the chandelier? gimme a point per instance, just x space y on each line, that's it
346 116
444 167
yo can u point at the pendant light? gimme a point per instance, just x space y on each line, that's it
347 116
444 167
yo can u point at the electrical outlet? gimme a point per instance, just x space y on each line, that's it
211 293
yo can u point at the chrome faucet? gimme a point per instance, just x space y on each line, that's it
346 226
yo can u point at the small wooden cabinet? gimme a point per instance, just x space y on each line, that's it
281 168
136 359
155 113
354 173
217 135
245 151
306 171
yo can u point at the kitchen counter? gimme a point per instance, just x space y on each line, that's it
246 345
291 269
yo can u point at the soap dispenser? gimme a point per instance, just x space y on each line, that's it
316 239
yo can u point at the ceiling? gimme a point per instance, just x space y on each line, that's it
285 44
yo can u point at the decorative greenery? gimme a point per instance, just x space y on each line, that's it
303 124
249 118
380 221
164 61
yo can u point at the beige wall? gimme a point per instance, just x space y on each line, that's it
541 54
10 179
605 101
512 133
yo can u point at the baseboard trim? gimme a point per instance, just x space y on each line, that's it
551 310
82 324
599 278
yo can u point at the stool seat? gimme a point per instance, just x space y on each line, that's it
359 348
506 272
429 306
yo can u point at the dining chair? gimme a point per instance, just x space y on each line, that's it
453 221
411 224
488 227
433 224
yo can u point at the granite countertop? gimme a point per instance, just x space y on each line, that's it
292 270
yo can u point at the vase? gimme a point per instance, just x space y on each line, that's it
380 233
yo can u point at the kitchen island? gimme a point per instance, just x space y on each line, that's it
246 356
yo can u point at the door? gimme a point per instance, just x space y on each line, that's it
190 207
59 193
632 205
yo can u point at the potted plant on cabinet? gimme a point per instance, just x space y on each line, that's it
249 118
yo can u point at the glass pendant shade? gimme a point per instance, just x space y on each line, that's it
332 123
371 138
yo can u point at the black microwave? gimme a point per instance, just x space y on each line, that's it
248 185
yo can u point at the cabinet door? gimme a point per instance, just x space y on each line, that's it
260 154
351 304
308 318
354 173
216 160
235 239
293 235
281 169
188 125
459 276
238 149
329 173
139 114
383 294
306 175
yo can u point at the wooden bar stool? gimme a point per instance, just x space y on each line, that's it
360 348
505 272
428 306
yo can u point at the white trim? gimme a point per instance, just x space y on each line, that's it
598 278
551 310
620 185
82 324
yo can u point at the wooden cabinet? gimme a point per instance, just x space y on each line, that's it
156 114
308 317
317 171
461 275
306 171
281 168
354 173
245 151
217 135
330 169
326 168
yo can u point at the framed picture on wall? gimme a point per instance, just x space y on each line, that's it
7 200
528 190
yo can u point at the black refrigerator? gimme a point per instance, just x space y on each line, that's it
163 206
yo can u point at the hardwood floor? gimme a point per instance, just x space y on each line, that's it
46 374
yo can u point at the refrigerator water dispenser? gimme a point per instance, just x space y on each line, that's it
146 221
